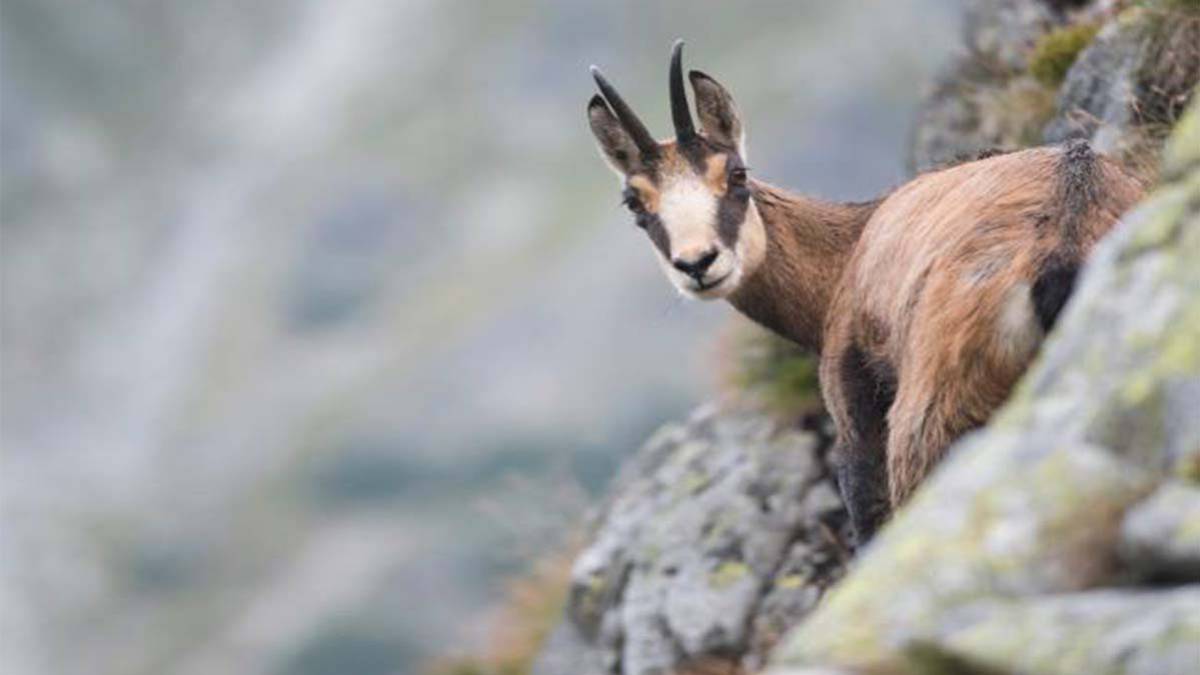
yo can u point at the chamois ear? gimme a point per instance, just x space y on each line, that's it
719 116
616 145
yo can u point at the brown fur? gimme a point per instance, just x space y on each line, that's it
926 306
920 281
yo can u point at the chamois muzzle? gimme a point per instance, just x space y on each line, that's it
697 268
681 114
629 121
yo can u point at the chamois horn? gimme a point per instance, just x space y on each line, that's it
681 115
641 135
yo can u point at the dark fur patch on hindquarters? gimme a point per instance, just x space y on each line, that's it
1052 289
869 389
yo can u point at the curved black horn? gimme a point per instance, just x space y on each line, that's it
641 135
681 115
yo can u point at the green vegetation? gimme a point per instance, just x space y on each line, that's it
923 657
1056 51
1185 5
774 371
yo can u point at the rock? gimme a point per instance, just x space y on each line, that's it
1000 33
971 110
1128 88
1097 632
722 533
1123 92
1033 506
1160 537
1109 631
985 99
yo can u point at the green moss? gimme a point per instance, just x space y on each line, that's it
1056 51
789 582
727 573
927 658
695 481
1183 151
1188 467
778 372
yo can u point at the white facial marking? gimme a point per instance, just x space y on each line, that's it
688 210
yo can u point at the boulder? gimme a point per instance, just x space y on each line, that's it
721 533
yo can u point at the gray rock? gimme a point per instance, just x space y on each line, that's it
1160 537
1127 89
1099 632
1000 33
984 100
1105 632
721 534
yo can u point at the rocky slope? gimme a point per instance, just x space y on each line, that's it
720 532
1062 538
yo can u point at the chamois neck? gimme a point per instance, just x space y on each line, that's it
809 242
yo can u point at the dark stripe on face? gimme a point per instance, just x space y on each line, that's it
731 213
657 233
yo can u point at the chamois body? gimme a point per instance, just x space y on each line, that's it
925 306
928 305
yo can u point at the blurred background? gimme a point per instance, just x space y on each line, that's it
320 319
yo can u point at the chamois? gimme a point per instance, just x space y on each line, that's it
925 305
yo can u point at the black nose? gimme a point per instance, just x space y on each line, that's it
696 268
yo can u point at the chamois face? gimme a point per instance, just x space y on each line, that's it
690 194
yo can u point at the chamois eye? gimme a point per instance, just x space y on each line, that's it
737 177
630 199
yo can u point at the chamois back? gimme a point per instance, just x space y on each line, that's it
958 276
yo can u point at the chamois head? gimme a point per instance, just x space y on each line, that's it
690 194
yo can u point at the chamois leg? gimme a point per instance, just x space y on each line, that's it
858 395
922 428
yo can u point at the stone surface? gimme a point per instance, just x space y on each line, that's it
1127 89
971 110
720 534
985 99
1106 632
1160 537
1124 92
1099 632
1036 504
1001 33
